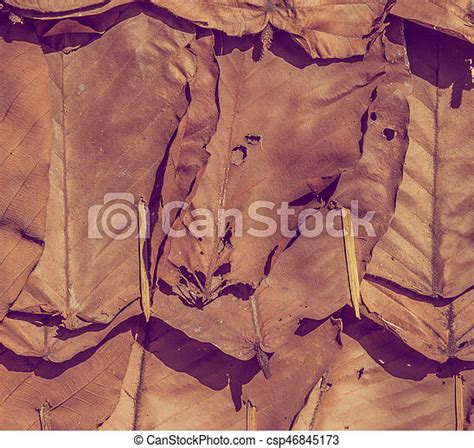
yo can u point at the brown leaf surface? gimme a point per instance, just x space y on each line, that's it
468 392
79 394
439 328
429 239
306 357
55 5
45 336
26 131
111 135
420 277
187 153
181 383
331 29
68 34
206 283
54 10
455 17
378 383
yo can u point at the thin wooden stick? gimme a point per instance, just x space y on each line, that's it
142 239
351 260
251 416
45 416
459 403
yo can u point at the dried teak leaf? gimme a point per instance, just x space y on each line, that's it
304 419
79 394
117 103
331 29
279 400
69 34
45 337
455 17
25 141
55 5
51 10
180 383
420 277
188 153
379 383
212 287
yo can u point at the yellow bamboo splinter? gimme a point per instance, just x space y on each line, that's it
142 237
45 416
251 416
351 259
458 392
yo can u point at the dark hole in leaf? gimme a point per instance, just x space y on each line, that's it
252 139
239 154
304 200
222 270
373 116
228 235
268 263
292 240
165 288
188 276
389 134
240 290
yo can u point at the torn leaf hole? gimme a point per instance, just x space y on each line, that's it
253 139
222 270
165 288
241 291
239 154
389 134
268 263
226 239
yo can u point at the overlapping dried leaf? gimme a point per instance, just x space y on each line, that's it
79 394
181 383
142 106
25 140
378 383
455 17
420 278
330 29
111 134
213 287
